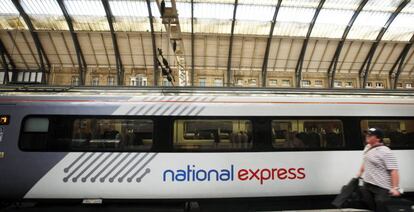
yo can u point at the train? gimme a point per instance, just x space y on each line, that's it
184 143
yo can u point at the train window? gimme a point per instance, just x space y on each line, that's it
63 133
304 134
397 133
36 125
214 135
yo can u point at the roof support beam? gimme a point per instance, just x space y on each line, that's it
269 41
5 64
229 71
365 68
394 73
17 48
154 45
79 55
119 66
8 56
299 65
55 48
40 50
334 61
192 43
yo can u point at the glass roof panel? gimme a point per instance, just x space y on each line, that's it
288 23
259 2
381 5
301 3
184 15
252 28
213 1
45 14
333 18
371 19
9 16
212 26
255 13
253 19
213 11
183 9
341 4
367 25
130 15
402 28
88 15
210 16
7 8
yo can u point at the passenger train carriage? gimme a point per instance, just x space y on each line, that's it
166 144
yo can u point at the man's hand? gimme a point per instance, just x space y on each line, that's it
394 192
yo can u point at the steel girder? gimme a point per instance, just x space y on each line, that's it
299 65
269 41
154 45
334 62
40 50
229 71
365 68
395 72
79 54
118 60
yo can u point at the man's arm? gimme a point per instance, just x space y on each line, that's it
395 181
361 171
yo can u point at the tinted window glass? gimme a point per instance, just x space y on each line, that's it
212 134
397 133
298 134
86 134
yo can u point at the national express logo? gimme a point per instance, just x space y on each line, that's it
194 174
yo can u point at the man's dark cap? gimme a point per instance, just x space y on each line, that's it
375 131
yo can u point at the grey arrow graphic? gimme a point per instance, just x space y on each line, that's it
73 163
78 167
142 167
182 111
130 110
175 109
158 109
102 179
96 167
122 169
146 171
166 109
140 109
199 111
107 165
204 98
150 108
132 167
189 112
86 168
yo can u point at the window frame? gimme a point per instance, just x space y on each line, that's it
346 146
382 118
221 118
163 132
74 117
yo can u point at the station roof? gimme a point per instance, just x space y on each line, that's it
212 29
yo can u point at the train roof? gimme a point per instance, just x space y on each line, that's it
210 101
211 91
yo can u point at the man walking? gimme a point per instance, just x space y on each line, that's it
380 169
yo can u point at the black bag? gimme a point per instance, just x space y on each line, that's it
355 201
349 193
396 204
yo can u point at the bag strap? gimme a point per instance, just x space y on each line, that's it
373 147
